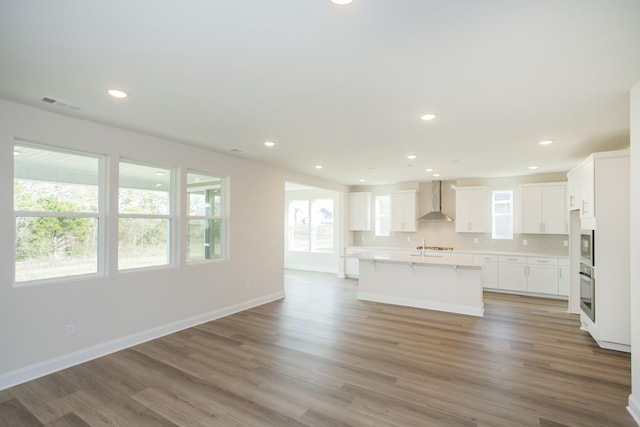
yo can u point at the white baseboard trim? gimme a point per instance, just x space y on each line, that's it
311 268
429 305
37 370
634 408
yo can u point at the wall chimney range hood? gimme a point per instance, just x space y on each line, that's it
436 214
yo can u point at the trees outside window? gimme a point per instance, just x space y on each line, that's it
58 216
144 216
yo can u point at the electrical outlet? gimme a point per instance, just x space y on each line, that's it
475 240
409 239
70 329
524 242
565 243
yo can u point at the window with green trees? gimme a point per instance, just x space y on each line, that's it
205 211
144 216
58 214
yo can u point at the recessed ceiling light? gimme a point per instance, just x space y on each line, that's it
436 175
533 167
160 173
428 117
362 180
411 156
547 142
117 93
269 143
341 2
319 166
428 170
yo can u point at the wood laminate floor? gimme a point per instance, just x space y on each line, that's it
320 357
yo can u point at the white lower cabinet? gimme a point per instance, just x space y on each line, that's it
564 277
489 271
512 273
542 275
537 275
351 267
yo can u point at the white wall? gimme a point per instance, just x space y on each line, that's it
121 309
634 253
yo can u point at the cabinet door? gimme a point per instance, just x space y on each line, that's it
573 190
359 211
512 273
471 210
351 267
403 210
554 215
542 275
587 208
531 210
542 279
463 210
564 282
478 214
490 273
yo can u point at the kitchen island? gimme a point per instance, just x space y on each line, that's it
435 281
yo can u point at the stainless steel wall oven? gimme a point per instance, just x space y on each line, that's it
588 290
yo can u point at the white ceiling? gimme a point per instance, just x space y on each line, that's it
341 86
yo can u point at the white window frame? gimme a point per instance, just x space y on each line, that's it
495 215
171 217
222 217
310 226
377 216
99 215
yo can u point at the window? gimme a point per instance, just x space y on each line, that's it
58 213
144 220
502 214
322 225
205 211
383 215
311 226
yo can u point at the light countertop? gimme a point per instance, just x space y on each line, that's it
430 258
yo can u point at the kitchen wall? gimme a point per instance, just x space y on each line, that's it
121 309
439 233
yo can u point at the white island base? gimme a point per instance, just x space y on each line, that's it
423 283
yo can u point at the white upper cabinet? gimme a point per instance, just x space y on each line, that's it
581 188
360 211
543 208
403 210
472 210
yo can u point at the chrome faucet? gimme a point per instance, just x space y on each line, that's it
424 246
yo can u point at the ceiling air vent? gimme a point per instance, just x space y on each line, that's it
62 104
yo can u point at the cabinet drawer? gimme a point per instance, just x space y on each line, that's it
542 261
509 259
488 258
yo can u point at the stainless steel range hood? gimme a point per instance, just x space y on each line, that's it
436 214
